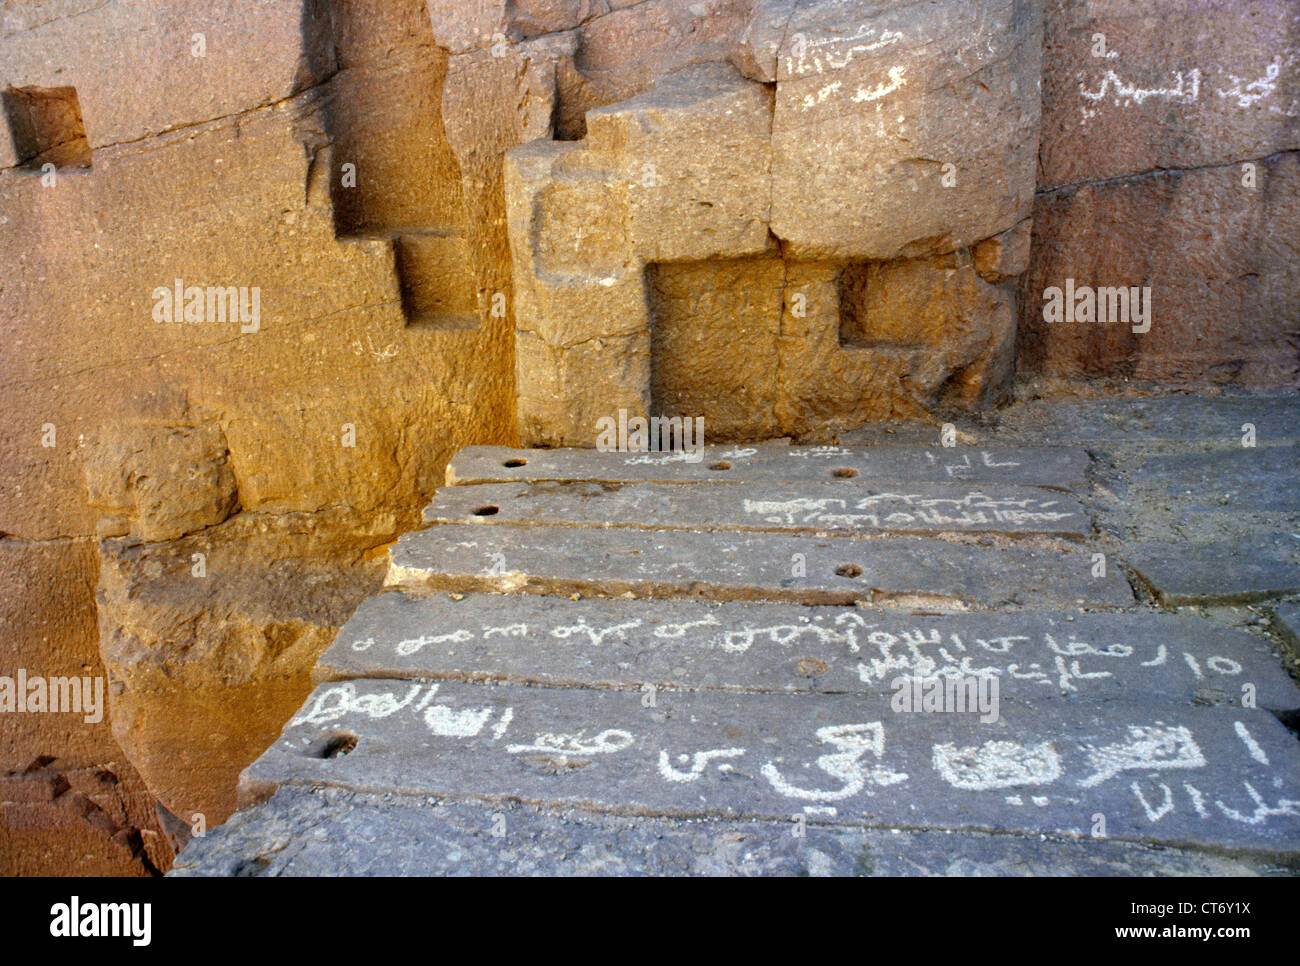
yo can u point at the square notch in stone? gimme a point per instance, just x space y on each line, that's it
874 307
438 290
46 126
715 344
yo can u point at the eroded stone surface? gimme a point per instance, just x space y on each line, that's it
592 560
1287 619
1063 468
388 290
207 647
774 647
1237 480
335 832
1165 418
1219 572
1157 772
804 507
873 100
783 257
650 674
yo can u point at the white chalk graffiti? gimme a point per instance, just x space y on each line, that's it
698 762
1248 94
1251 744
901 509
412 645
1065 674
786 511
811 100
339 700
912 661
595 635
1064 663
1188 90
836 53
897 79
964 467
509 630
661 458
738 642
674 631
1165 807
1198 800
1263 811
1149 747
852 756
609 740
454 722
997 764
817 452
853 741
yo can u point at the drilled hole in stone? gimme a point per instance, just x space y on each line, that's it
845 473
848 570
486 511
334 746
720 466
513 463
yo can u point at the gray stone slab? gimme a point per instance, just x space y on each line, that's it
1172 418
1154 772
1227 573
777 647
1062 468
336 832
1287 620
592 561
774 507
1234 480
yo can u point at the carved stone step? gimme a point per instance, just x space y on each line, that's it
790 508
594 561
778 647
1147 770
1060 468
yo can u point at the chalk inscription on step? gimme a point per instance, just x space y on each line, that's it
1063 664
898 510
838 764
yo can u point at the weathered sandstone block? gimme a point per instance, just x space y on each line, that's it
160 482
903 129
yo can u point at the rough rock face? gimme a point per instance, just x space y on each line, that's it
160 482
221 170
705 250
208 641
1222 263
48 627
1169 161
875 102
95 816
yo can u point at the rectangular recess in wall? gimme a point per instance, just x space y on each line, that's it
46 126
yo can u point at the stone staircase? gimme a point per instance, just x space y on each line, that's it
637 663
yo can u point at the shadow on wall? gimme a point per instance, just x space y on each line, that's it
392 173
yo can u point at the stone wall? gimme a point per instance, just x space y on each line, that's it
286 456
1169 160
703 250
